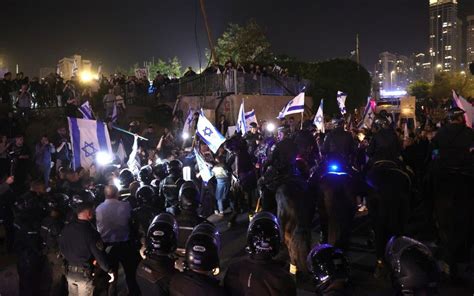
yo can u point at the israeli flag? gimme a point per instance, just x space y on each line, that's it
209 134
294 106
341 101
205 169
241 126
86 111
368 116
189 121
319 118
88 138
250 117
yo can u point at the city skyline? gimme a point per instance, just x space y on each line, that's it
314 31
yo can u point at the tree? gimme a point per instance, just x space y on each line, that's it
420 89
445 82
244 44
171 68
328 77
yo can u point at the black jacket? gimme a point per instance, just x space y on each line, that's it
191 283
247 277
154 275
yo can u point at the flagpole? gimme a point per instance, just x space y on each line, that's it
302 115
127 132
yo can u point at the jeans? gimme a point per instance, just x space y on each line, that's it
222 190
79 285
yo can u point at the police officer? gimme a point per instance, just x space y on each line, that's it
384 145
51 227
252 137
155 271
202 258
187 215
29 210
147 209
169 187
338 144
330 271
452 176
126 178
145 175
414 270
260 274
81 246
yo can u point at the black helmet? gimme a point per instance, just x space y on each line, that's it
454 113
327 264
145 194
79 202
126 177
202 248
412 264
381 122
159 171
337 121
264 235
162 235
146 174
175 166
188 196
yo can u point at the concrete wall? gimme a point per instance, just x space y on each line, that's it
266 107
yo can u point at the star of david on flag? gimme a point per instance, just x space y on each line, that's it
209 134
341 101
88 137
319 118
368 116
294 106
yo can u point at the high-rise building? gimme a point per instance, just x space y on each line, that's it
393 71
470 39
72 66
445 53
421 67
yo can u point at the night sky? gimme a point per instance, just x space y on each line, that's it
36 33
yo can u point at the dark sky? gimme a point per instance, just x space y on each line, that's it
38 33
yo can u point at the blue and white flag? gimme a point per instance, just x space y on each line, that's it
319 118
241 126
209 134
86 111
294 106
205 169
368 116
188 123
88 138
250 117
341 101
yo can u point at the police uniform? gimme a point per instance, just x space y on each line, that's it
192 283
80 244
50 230
154 275
187 220
169 189
258 277
30 210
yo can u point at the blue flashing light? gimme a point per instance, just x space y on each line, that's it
334 168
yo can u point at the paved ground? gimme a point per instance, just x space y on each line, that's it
360 255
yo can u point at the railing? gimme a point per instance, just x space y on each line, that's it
240 83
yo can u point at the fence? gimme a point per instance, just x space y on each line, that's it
240 83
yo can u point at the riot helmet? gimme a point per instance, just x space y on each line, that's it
263 235
146 175
202 248
162 235
145 195
175 167
188 196
126 177
412 265
326 265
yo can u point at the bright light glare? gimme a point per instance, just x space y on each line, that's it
185 136
187 173
86 76
334 167
271 127
103 158
393 93
158 161
117 183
